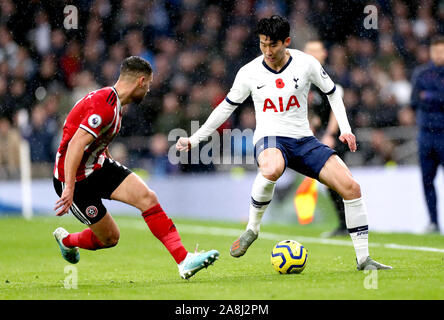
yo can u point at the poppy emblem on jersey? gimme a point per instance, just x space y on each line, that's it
94 121
324 74
280 83
91 211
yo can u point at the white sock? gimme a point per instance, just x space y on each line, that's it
357 225
261 195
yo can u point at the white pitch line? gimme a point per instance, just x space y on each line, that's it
230 232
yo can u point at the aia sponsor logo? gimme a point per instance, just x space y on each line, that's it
292 102
91 211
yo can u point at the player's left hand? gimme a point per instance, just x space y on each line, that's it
350 140
65 202
183 144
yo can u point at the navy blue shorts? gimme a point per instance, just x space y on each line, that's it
306 155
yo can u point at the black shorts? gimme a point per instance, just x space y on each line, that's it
87 204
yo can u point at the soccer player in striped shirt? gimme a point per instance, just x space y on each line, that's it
278 82
85 173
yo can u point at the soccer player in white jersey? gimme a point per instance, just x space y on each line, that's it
279 81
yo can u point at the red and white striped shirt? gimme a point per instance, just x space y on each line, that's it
100 114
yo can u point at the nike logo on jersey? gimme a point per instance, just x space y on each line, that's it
260 87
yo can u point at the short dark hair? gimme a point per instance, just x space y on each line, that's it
275 27
135 65
437 40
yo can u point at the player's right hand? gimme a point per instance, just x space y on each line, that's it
350 140
183 144
65 202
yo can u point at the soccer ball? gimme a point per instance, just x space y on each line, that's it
289 256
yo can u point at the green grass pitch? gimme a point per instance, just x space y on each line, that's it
139 267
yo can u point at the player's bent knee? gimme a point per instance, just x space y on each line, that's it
151 197
352 190
272 174
148 199
111 240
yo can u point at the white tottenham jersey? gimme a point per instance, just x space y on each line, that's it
280 97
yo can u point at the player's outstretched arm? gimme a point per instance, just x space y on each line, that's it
337 105
321 79
238 93
74 155
219 115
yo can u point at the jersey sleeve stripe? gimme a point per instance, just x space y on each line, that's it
331 91
89 130
113 100
231 102
109 96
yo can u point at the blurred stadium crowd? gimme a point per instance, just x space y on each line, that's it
196 48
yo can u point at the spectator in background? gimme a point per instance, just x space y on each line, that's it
58 40
8 48
399 86
428 102
71 63
108 74
119 152
197 45
24 66
163 72
302 32
374 113
387 53
136 46
199 107
48 75
5 109
7 11
51 105
83 83
117 53
92 61
161 166
381 149
10 150
40 36
247 123
210 35
18 98
338 65
40 137
171 117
